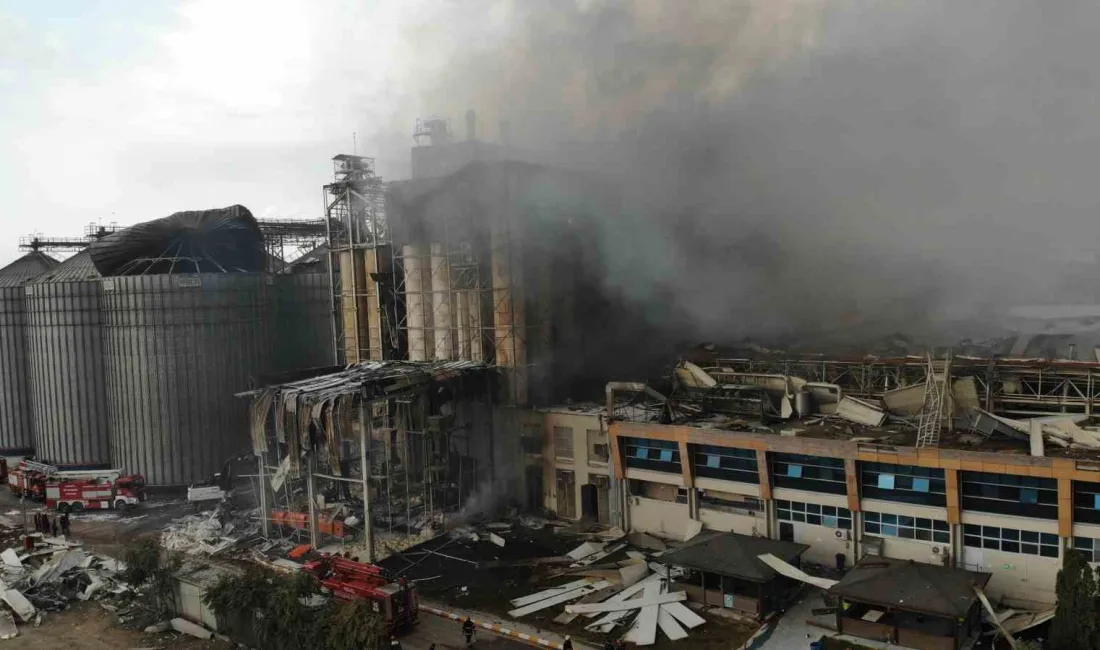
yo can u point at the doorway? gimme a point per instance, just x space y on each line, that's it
566 493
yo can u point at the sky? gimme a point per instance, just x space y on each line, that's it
130 110
880 147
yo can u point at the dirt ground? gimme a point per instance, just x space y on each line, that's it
86 626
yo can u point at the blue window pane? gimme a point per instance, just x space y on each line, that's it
890 531
1096 501
920 485
794 471
666 455
1028 495
713 461
641 452
829 521
886 481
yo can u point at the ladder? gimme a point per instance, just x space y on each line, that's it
931 416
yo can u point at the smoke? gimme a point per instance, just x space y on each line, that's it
796 166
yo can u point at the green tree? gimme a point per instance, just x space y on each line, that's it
1075 625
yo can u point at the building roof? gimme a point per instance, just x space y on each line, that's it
911 586
731 554
25 268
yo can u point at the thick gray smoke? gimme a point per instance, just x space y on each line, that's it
794 166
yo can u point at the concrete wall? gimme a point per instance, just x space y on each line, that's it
731 522
583 468
1019 580
661 518
824 541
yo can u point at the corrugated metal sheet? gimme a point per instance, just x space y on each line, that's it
304 321
16 413
65 354
178 348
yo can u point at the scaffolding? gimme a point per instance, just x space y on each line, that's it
429 288
288 239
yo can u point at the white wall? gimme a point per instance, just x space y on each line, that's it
735 487
661 518
909 549
1018 580
579 465
824 542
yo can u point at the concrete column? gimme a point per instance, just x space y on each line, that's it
413 257
509 313
441 303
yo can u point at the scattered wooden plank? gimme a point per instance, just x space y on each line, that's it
596 557
644 630
565 618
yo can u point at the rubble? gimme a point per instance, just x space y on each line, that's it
210 532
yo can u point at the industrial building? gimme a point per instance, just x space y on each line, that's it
427 358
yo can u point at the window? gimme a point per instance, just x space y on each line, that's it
728 502
563 443
597 446
1089 546
903 483
657 491
1010 540
725 463
530 439
1021 496
903 527
813 473
812 513
659 455
1086 502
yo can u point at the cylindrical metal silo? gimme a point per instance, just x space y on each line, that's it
65 354
303 323
178 347
16 413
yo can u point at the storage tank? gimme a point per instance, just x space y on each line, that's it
178 347
65 354
304 321
16 414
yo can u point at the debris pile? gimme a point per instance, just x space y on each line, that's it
47 575
211 532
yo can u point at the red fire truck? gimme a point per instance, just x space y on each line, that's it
77 490
395 599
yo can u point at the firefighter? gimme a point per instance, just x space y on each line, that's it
468 629
65 524
53 526
567 644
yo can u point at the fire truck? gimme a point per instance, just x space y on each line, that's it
395 599
78 489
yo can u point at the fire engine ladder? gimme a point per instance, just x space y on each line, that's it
931 416
42 468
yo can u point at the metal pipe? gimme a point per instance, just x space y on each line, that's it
312 502
263 495
365 438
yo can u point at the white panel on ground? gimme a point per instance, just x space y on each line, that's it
550 593
669 625
685 616
596 557
634 603
644 630
557 600
585 549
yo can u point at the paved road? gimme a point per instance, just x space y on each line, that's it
447 635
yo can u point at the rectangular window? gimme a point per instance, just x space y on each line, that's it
658 455
902 527
725 463
812 473
903 483
1008 494
1010 540
729 502
813 513
1089 546
1086 502
563 443
597 446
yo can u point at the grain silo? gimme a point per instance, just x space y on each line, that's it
65 354
304 320
16 413
184 331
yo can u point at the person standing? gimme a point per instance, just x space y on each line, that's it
468 630
53 526
65 524
568 644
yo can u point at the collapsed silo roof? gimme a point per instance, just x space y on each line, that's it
221 240
25 268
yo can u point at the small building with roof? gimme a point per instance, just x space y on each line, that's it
916 605
725 570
